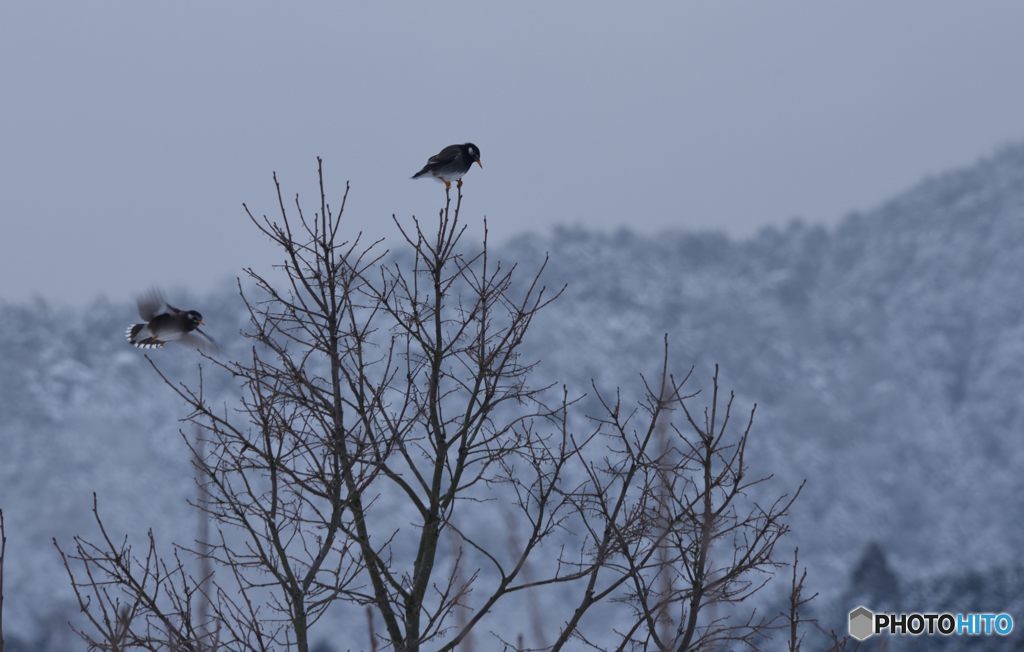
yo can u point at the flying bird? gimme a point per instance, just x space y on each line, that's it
451 164
164 323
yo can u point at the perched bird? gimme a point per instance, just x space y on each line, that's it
451 164
164 323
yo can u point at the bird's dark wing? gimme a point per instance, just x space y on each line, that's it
199 340
152 303
445 156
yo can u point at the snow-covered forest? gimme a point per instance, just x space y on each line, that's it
886 356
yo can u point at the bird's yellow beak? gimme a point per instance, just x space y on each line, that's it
480 163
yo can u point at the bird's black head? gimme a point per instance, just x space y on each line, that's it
194 319
474 153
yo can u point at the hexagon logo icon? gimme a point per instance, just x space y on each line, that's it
862 623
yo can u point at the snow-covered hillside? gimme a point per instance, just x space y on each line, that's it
886 356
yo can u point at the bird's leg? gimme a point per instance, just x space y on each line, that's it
459 184
447 184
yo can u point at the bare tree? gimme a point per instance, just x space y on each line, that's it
384 392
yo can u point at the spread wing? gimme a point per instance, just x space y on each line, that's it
199 340
152 303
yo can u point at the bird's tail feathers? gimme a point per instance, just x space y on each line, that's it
134 333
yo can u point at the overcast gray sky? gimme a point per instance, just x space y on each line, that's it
130 132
